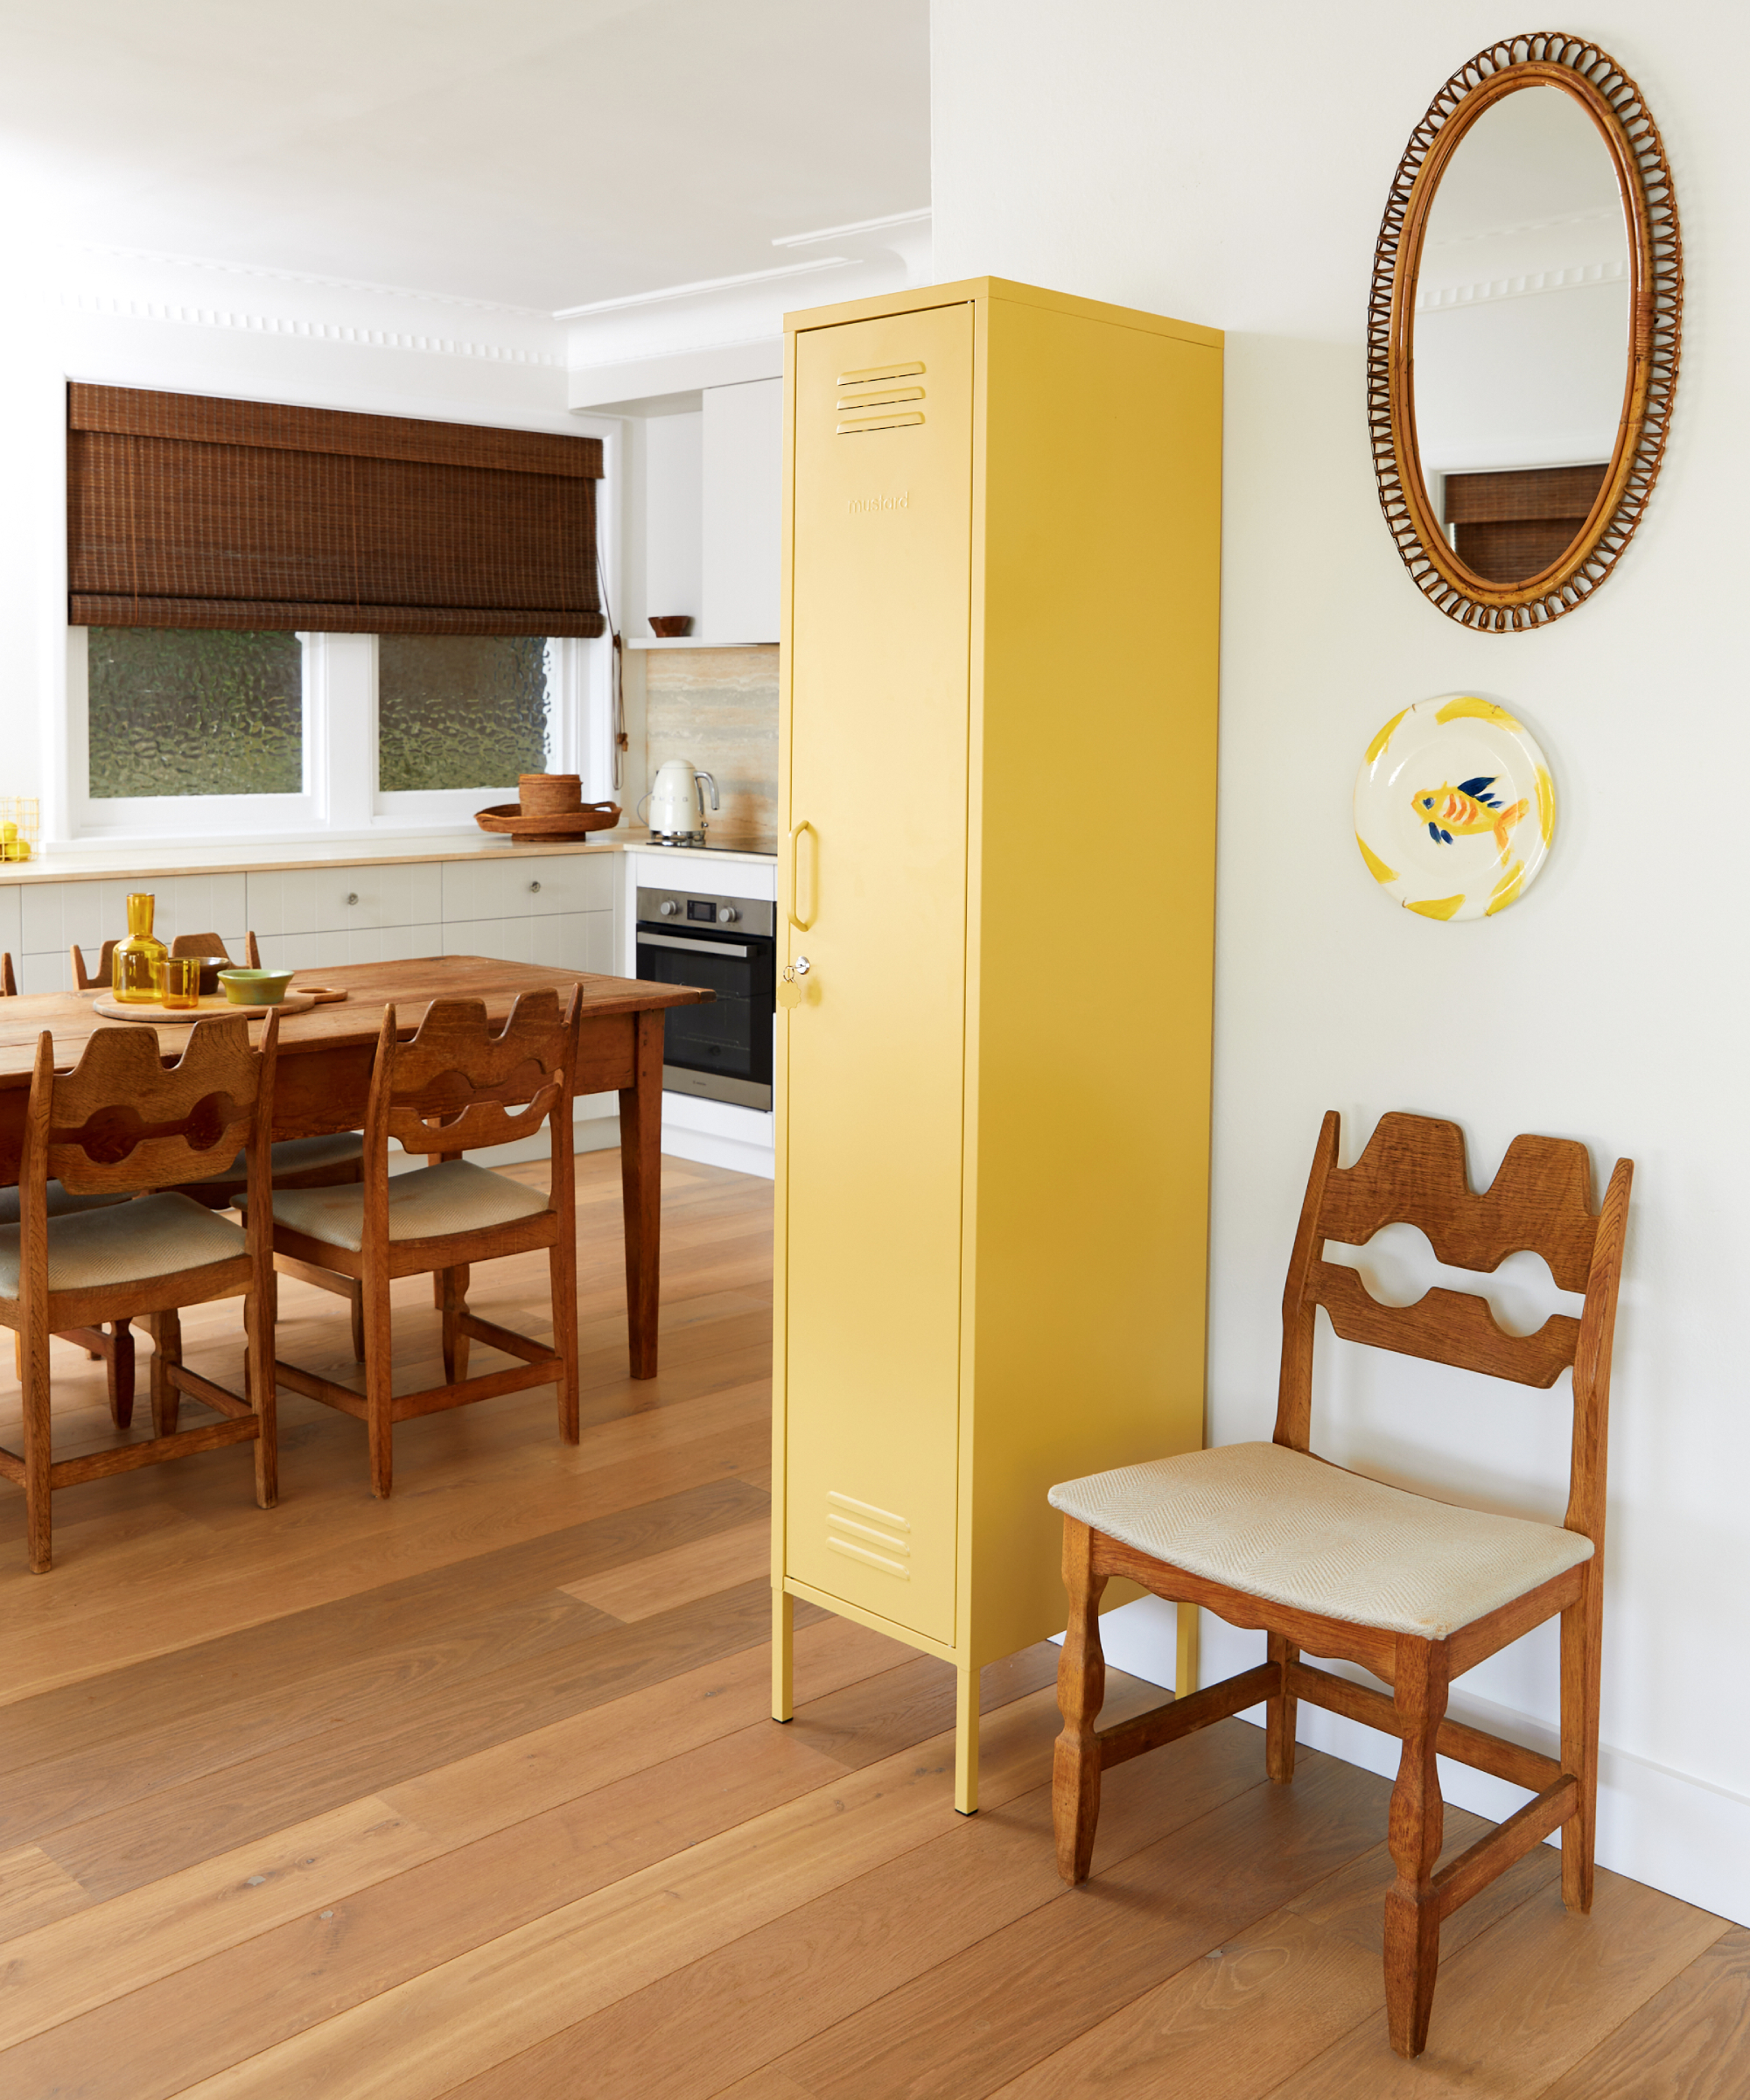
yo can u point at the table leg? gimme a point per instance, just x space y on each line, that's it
641 1180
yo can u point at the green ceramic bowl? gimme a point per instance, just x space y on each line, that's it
255 987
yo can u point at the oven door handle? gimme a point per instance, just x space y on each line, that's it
698 947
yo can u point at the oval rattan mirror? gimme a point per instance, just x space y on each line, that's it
1530 252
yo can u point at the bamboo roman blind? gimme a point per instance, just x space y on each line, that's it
186 512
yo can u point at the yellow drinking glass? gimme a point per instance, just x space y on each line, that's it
180 980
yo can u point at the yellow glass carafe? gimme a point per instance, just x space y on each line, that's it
138 974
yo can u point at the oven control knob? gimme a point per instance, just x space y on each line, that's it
669 908
727 914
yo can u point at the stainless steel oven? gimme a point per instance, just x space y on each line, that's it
723 1049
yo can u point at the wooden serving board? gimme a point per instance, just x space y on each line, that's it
186 1017
324 995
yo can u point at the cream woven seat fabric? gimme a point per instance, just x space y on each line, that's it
62 1203
424 1205
126 1243
1287 1528
299 1156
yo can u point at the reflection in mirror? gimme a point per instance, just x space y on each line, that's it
1521 334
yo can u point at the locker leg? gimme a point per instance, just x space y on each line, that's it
1185 1668
783 1655
966 1741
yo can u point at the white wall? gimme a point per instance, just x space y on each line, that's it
1155 156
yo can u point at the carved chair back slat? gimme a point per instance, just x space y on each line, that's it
123 1120
1413 1170
460 1084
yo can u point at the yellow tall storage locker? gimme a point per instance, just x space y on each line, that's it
1002 574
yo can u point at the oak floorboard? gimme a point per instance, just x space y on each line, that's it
1524 2003
1245 2016
682 1573
425 2037
731 2012
119 1849
1688 2042
35 1891
199 1708
1090 1951
115 1951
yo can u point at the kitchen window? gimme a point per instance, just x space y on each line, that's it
284 620
180 733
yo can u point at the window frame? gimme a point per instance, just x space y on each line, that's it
340 797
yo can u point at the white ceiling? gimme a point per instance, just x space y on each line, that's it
544 153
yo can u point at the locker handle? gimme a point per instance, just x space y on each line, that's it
801 920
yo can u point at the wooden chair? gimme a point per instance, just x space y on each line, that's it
455 1087
9 984
1416 1592
120 1123
85 979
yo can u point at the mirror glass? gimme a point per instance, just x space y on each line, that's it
1521 334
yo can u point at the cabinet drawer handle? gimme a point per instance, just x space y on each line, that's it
352 896
533 886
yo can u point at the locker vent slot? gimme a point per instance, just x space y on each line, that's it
862 1532
875 399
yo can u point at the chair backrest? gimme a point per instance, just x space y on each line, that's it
93 980
9 984
1413 1172
205 945
122 1120
460 1084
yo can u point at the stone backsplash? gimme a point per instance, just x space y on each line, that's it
718 707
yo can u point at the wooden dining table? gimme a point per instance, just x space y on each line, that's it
324 1070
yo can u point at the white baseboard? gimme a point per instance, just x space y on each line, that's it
1681 1835
717 1133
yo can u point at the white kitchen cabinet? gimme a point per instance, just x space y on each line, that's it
532 884
53 915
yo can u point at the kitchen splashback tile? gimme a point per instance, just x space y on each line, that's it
718 707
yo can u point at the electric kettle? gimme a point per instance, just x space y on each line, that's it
677 804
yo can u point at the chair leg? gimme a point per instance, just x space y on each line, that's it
262 1396
120 1358
166 1350
450 1288
379 1383
563 1269
1412 1918
1280 1712
1582 1626
1081 1693
39 1497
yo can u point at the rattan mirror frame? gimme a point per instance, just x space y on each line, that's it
1656 260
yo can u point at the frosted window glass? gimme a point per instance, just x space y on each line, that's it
460 711
195 711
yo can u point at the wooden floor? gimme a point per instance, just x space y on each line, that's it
473 1793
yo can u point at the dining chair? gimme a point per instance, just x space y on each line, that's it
86 979
1415 1590
9 984
121 1123
457 1086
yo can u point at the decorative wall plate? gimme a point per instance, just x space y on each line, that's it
1454 808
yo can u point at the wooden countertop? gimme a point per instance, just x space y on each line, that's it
159 863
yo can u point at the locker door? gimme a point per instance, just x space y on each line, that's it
878 759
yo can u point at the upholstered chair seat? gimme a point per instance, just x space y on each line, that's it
126 1243
62 1203
426 1204
1285 1526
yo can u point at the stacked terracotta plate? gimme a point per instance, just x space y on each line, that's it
551 807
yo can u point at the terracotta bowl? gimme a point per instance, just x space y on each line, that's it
549 793
671 627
